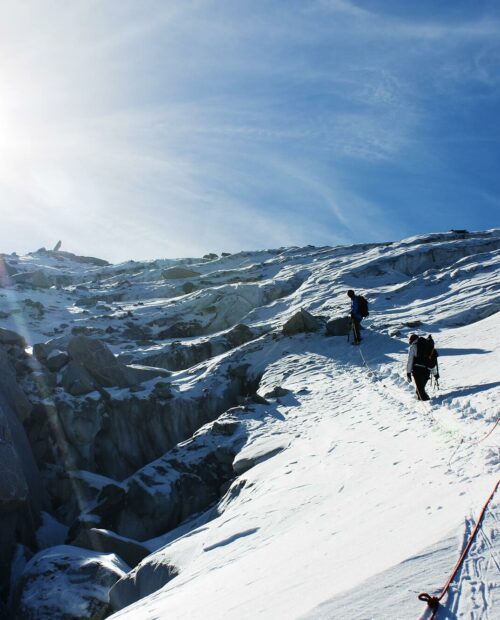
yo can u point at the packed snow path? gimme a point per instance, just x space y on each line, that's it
365 505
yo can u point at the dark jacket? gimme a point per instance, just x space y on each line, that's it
355 309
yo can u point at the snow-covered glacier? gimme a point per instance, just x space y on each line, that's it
184 438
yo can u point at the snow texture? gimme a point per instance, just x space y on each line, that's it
349 497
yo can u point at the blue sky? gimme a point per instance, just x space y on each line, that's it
157 129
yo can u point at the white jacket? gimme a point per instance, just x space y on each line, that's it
412 356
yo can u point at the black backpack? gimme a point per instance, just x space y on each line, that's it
426 352
363 306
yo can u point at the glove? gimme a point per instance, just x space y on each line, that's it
408 376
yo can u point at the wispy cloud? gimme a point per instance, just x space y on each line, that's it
138 129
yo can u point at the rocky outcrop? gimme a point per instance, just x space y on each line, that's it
301 321
67 582
56 360
94 357
8 337
148 578
178 356
89 365
178 273
130 551
21 489
36 279
340 326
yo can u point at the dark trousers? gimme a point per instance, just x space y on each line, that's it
356 329
421 376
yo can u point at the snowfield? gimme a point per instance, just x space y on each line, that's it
347 497
368 500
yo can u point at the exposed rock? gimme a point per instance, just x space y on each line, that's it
35 308
56 360
13 485
340 326
224 427
10 391
210 256
57 246
86 260
163 390
277 392
301 321
177 273
145 579
182 329
21 489
41 350
239 334
139 373
76 380
67 582
41 280
178 356
11 338
95 357
137 332
257 399
37 279
6 270
188 287
127 549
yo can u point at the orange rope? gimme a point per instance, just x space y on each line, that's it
433 601
487 434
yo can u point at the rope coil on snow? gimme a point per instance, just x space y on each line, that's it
434 601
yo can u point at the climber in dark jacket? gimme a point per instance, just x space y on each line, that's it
356 317
415 367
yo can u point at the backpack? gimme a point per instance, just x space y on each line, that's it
363 306
426 353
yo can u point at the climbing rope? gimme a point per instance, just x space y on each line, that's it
434 601
487 434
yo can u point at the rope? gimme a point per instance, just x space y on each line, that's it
434 601
487 434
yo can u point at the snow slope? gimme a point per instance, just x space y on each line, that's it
349 520
351 497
